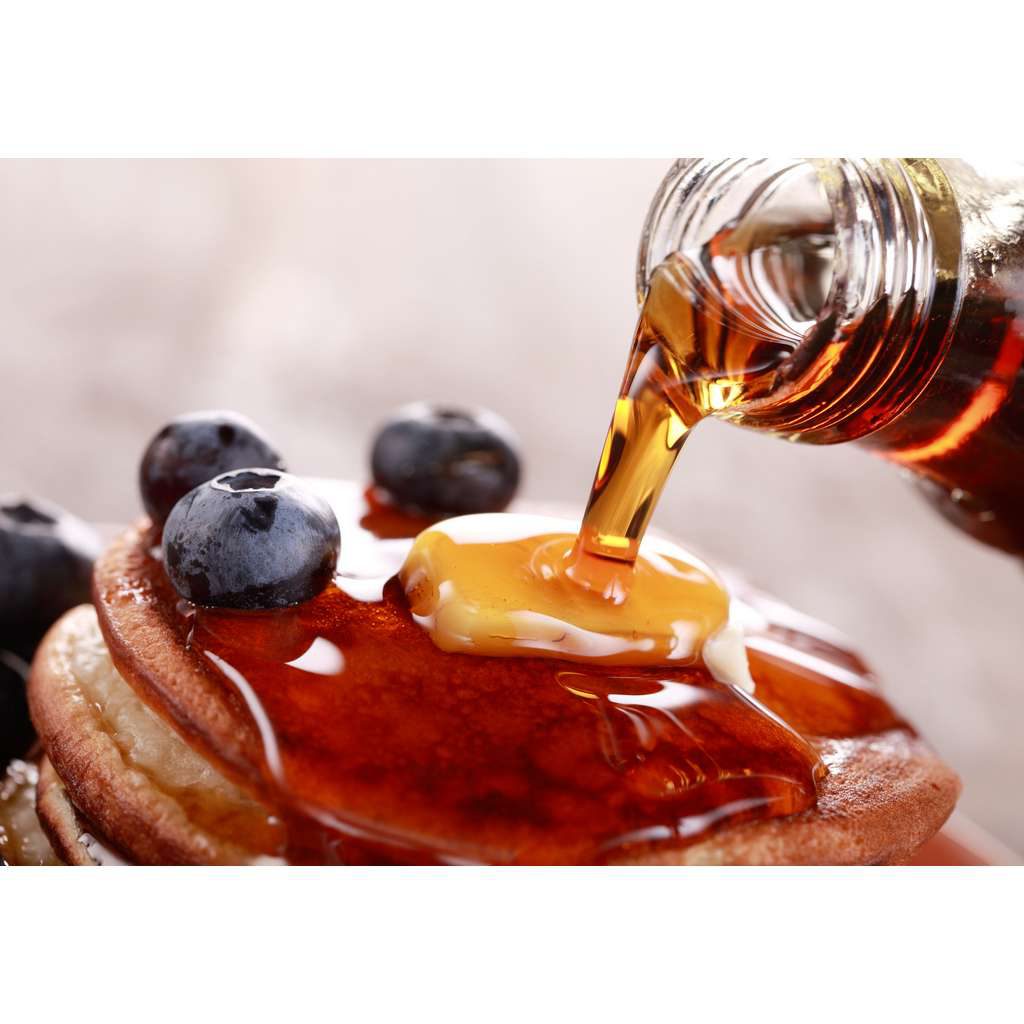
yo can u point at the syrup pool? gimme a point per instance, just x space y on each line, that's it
505 585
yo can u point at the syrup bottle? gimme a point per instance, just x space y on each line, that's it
878 301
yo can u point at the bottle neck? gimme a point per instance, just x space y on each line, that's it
850 267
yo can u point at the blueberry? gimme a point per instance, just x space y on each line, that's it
441 461
251 539
16 733
46 558
195 448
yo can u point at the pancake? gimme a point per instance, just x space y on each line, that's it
151 750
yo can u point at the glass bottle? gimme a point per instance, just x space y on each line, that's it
877 301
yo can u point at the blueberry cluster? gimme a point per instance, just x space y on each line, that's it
237 530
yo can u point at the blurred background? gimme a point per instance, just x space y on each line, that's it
314 296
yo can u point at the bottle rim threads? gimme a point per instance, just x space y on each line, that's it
895 281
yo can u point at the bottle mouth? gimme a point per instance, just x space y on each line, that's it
759 233
801 251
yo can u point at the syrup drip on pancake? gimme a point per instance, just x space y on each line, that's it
376 746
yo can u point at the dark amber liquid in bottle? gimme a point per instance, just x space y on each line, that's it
965 434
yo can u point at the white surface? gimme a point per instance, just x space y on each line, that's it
316 296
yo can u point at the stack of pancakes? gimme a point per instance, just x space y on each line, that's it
144 762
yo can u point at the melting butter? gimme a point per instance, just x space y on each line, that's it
508 586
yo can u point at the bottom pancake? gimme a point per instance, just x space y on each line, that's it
123 769
71 837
